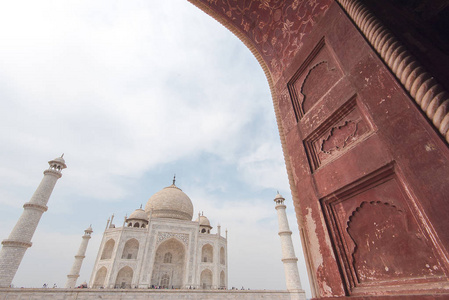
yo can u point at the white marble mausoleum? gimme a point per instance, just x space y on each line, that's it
161 247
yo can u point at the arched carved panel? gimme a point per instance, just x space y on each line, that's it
316 77
319 80
377 237
387 245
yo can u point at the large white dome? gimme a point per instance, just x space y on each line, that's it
170 202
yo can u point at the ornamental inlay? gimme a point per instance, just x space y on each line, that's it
162 236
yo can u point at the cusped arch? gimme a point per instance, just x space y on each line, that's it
207 253
124 278
386 228
321 75
131 249
108 249
100 278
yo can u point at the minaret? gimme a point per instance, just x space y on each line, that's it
19 240
288 252
75 271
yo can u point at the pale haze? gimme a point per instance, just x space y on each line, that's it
133 92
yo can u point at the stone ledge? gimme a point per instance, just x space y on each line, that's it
140 294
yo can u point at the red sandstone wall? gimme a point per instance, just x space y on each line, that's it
369 174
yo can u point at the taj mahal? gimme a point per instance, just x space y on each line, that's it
160 246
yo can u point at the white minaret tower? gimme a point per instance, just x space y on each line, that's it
75 271
20 238
288 252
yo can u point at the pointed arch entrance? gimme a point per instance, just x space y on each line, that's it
124 278
206 279
169 265
100 278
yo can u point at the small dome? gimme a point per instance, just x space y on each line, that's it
58 161
138 214
89 229
204 221
170 202
278 196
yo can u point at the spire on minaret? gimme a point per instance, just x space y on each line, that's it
19 240
111 225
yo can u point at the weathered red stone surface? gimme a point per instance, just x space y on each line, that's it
369 173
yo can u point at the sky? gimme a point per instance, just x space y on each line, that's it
133 92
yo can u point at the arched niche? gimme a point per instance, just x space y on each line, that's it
131 249
124 278
206 279
108 249
169 261
100 278
207 253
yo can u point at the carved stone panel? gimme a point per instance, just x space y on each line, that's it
340 132
162 236
388 247
314 79
379 241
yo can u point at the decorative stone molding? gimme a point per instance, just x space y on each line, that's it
179 236
13 243
431 97
41 208
285 232
53 173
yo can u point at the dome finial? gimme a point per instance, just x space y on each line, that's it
62 156
174 179
140 205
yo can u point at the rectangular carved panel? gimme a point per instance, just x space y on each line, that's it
341 131
379 241
314 79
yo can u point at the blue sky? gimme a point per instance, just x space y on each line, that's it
133 92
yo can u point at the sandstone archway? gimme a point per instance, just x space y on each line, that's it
365 126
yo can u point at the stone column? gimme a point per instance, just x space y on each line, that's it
19 240
288 252
76 267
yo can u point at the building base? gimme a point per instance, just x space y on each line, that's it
141 294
